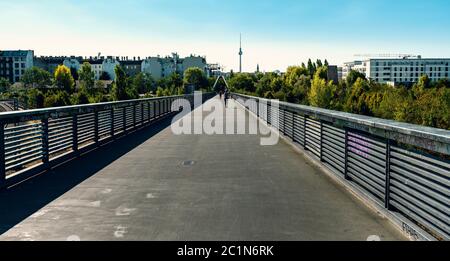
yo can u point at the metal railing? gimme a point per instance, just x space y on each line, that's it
33 141
402 167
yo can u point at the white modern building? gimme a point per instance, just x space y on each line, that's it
406 70
347 67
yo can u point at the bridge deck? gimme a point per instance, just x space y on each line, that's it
138 189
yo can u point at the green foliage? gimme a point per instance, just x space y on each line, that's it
64 79
4 85
242 81
35 98
353 76
143 83
119 89
356 99
74 73
322 92
160 92
426 103
195 77
36 77
105 76
86 76
57 99
293 74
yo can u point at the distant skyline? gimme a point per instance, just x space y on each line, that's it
275 33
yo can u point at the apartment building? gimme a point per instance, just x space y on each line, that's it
161 67
14 63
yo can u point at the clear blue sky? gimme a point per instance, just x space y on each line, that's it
276 33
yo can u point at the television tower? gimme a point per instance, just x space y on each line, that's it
240 53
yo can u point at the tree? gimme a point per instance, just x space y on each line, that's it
319 63
64 79
105 76
35 99
419 88
86 76
81 97
353 76
4 84
356 100
242 82
57 99
143 83
322 72
322 92
120 85
310 68
326 63
300 90
36 77
160 92
263 86
74 73
293 73
174 80
195 77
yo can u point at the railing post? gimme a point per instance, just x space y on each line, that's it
346 176
293 127
142 113
134 115
75 133
2 157
111 130
45 146
388 175
96 135
321 141
149 113
305 118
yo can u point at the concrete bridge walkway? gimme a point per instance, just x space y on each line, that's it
154 185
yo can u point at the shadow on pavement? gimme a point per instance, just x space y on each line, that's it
19 202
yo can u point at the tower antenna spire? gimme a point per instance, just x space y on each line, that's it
240 53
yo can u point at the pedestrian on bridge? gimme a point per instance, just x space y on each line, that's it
227 96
